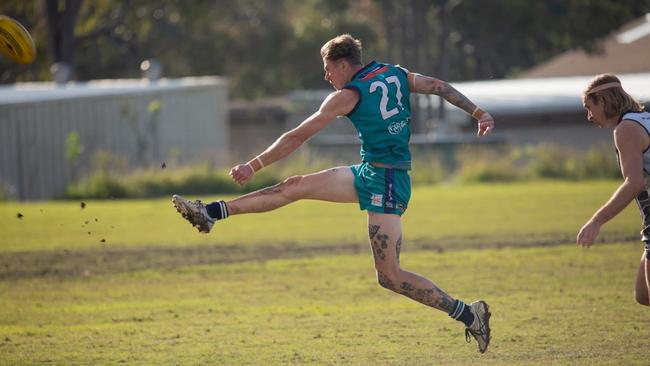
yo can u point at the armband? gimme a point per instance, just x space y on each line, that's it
478 113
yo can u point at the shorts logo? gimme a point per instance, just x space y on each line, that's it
376 200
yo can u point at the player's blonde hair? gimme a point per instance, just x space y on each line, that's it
342 47
607 88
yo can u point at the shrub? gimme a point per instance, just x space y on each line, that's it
148 183
600 162
110 178
428 170
100 186
562 163
483 165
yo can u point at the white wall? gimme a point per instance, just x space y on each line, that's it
111 116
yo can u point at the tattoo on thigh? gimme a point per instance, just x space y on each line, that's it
372 230
377 251
379 246
398 247
378 242
383 240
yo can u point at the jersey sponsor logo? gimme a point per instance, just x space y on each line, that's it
396 128
376 200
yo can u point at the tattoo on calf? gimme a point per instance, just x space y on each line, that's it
384 281
407 287
377 252
433 297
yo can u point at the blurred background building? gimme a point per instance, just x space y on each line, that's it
51 135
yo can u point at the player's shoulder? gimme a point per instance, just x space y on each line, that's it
632 133
341 102
344 94
627 126
402 69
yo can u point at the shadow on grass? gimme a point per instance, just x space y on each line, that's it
84 263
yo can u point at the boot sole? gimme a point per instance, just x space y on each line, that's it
202 227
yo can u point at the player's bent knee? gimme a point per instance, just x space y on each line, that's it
387 280
292 188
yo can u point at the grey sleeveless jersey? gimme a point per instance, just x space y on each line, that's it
642 118
643 199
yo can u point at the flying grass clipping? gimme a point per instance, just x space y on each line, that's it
15 41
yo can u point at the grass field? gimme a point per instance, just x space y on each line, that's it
496 213
302 289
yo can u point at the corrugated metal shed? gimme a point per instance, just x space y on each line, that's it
136 120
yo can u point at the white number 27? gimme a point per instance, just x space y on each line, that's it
383 103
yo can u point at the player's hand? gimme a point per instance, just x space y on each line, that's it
588 234
485 124
242 173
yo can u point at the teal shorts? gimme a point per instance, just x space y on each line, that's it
383 190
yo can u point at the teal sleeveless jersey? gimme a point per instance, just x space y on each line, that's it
382 115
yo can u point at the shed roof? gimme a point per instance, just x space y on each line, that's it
539 96
625 51
46 91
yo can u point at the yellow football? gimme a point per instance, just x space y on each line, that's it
15 41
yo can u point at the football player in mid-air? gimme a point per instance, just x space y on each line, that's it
609 106
375 97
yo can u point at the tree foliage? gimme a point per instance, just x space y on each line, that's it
268 47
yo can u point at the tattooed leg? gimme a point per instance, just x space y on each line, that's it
385 240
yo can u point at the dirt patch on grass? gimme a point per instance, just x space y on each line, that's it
65 263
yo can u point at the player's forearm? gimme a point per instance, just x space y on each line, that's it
625 193
453 96
283 146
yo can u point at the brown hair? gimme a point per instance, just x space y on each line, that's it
617 101
342 47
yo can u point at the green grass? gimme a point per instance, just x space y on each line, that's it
509 213
557 305
157 292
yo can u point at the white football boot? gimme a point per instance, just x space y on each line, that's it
194 212
480 328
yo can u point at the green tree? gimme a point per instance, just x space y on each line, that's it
269 47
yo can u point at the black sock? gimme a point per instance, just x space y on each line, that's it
217 210
462 313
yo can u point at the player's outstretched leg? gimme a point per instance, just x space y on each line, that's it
385 234
334 185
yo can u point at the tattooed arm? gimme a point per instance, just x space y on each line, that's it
429 85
